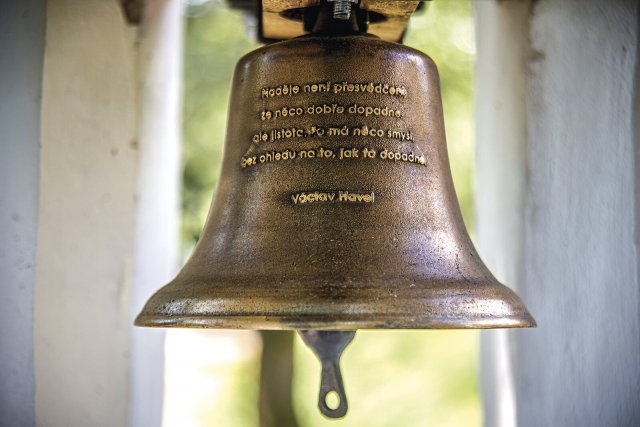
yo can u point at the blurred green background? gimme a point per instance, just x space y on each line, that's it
393 378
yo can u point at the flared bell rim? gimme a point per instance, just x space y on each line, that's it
313 323
398 304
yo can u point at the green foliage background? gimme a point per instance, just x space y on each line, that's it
394 378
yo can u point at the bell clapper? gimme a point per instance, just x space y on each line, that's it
328 347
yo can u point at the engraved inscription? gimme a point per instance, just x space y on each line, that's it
333 109
335 88
275 135
327 153
349 122
343 196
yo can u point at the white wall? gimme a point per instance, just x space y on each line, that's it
89 190
158 201
501 125
108 217
21 52
86 224
577 209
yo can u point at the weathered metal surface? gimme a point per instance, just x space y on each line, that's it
335 209
278 25
328 347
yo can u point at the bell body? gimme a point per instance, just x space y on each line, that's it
335 208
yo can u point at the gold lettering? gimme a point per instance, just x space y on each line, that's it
341 196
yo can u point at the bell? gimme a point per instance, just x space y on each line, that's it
335 209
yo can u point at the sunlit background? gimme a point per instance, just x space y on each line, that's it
393 378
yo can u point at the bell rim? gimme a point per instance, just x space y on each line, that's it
483 306
374 322
394 303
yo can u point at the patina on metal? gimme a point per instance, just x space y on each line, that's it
335 210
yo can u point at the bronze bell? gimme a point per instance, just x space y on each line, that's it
336 208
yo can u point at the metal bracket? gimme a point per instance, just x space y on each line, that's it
280 19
